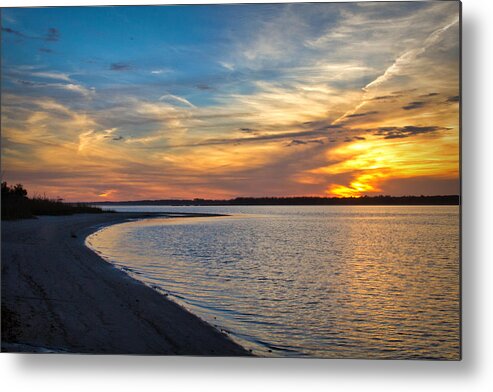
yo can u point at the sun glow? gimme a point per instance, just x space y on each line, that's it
372 162
362 184
107 193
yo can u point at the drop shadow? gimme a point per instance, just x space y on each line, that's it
470 192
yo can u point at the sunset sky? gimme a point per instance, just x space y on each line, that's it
128 103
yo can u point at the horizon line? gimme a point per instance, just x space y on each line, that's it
278 198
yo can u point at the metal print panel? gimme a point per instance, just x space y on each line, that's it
261 180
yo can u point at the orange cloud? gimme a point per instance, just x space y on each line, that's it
370 163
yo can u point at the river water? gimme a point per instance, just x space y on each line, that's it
317 281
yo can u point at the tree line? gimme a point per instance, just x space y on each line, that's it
17 205
304 200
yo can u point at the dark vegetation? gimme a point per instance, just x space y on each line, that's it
16 204
274 201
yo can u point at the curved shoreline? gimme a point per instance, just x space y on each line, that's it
58 295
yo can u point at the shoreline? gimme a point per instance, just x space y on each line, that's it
58 295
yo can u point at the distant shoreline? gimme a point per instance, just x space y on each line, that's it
60 296
297 201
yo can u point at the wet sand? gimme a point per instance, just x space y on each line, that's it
59 296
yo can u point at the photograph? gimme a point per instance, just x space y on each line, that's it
265 180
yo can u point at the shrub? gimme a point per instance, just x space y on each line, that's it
16 204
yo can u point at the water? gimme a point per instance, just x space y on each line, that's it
317 281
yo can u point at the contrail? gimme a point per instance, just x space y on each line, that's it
401 61
411 55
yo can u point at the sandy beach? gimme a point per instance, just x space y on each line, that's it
59 296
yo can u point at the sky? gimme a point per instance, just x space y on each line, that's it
221 101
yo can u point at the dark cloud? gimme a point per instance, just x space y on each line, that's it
45 50
321 125
407 131
30 83
429 95
349 139
248 130
415 105
361 114
120 67
296 142
384 97
14 32
51 35
455 98
259 138
118 138
204 87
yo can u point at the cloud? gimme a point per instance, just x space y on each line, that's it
160 71
227 65
385 97
429 95
88 140
77 88
257 138
409 56
120 67
52 35
202 86
407 131
361 114
248 130
455 98
29 83
52 75
14 32
415 105
45 50
296 142
71 87
174 98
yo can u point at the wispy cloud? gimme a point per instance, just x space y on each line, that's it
366 114
52 75
51 35
414 105
175 99
406 131
455 98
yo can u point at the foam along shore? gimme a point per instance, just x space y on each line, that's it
60 296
